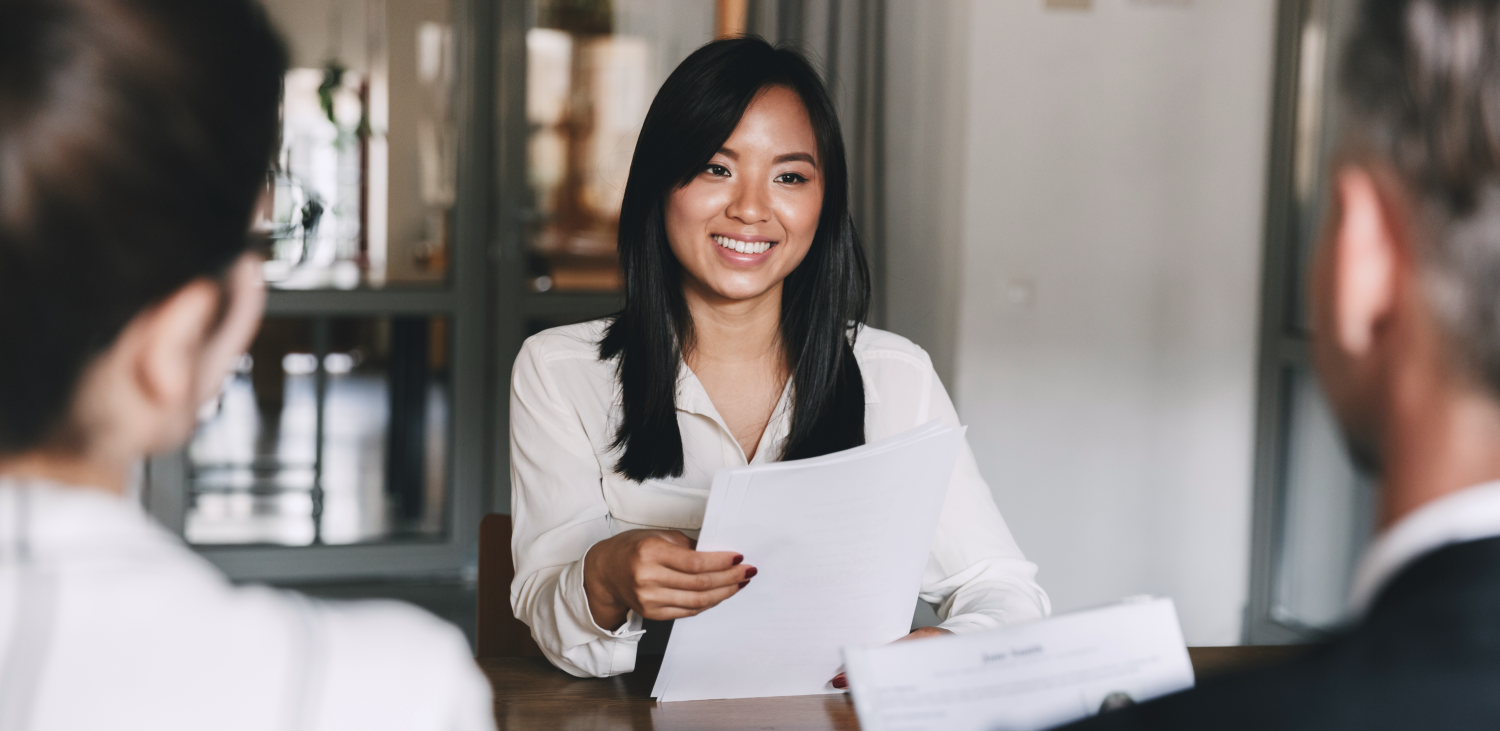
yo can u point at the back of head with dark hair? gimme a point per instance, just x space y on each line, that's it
823 300
1420 84
134 138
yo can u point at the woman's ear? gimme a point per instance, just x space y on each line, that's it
184 347
244 302
168 341
1365 254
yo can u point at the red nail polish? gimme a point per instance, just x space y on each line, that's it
738 559
751 572
745 583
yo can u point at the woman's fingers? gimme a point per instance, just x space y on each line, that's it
676 603
707 581
671 580
695 562
672 549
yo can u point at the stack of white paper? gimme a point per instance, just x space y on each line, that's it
840 542
1030 676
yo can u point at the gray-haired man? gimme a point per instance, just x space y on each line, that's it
1406 336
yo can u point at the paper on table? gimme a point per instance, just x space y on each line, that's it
1028 676
840 542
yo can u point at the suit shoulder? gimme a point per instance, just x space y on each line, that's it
1294 695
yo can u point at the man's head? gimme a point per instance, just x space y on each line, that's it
135 136
1406 285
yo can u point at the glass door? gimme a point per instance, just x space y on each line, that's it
592 69
350 438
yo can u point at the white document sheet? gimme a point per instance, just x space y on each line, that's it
1024 677
840 542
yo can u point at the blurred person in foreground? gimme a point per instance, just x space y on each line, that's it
135 136
1406 338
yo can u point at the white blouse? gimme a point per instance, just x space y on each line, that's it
107 621
566 495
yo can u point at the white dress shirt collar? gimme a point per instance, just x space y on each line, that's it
692 398
1470 514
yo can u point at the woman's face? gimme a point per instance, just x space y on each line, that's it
748 218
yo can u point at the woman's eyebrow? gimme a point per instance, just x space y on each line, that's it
788 157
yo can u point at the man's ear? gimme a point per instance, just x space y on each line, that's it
1366 252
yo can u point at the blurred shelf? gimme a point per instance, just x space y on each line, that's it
572 305
359 301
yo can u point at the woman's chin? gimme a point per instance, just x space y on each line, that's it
736 289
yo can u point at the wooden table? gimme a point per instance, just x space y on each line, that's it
531 694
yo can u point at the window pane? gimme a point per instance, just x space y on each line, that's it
1327 517
374 388
593 67
364 187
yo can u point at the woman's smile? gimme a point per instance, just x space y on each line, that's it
744 250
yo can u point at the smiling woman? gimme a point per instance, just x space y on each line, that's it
742 143
742 341
751 198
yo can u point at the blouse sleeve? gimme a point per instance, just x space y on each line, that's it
558 509
976 577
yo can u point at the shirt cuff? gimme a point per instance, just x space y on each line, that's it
578 605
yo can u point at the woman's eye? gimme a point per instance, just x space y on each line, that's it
717 171
790 178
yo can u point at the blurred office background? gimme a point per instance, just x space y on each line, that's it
1092 213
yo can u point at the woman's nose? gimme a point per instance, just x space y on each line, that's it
750 205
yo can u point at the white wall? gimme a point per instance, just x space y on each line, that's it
927 105
1104 272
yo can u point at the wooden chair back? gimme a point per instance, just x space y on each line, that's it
499 633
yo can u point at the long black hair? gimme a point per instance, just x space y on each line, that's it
823 301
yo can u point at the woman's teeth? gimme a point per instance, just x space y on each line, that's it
744 247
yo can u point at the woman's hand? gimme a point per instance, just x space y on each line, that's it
659 575
841 682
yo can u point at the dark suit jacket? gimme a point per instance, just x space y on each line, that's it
1425 656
